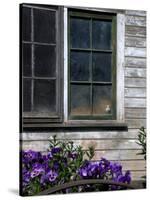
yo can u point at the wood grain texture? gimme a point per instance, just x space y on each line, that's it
135 42
137 175
120 65
135 102
133 164
65 109
135 113
136 123
135 92
135 20
130 134
119 155
135 12
97 144
135 62
135 52
135 31
110 154
135 72
135 82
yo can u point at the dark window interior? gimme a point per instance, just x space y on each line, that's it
40 54
91 54
44 26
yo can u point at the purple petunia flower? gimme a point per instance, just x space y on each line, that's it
89 170
49 155
52 175
128 177
83 172
26 177
30 156
55 150
93 169
56 165
37 170
116 169
104 166
123 178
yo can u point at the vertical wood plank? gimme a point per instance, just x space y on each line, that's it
120 65
65 64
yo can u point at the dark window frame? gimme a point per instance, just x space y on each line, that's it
94 15
35 118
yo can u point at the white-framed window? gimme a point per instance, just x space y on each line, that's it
120 37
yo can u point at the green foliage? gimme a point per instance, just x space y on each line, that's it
142 141
74 155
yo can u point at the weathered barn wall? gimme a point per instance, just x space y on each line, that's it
116 145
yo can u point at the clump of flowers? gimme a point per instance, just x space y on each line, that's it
105 170
62 163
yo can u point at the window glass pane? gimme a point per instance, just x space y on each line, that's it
26 95
101 67
80 33
44 26
102 99
26 59
80 66
80 100
101 34
26 24
44 96
44 61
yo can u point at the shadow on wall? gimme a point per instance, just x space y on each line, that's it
14 191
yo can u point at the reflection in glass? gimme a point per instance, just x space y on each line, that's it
26 24
101 67
80 66
102 99
44 96
101 34
80 100
26 95
44 60
80 33
44 26
26 59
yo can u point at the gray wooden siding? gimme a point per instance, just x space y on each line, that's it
117 146
135 81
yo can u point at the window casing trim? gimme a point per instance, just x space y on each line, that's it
120 67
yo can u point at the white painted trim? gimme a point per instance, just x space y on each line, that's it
120 66
65 64
105 10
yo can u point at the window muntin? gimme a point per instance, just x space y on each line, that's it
91 84
40 65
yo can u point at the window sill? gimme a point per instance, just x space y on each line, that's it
77 126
